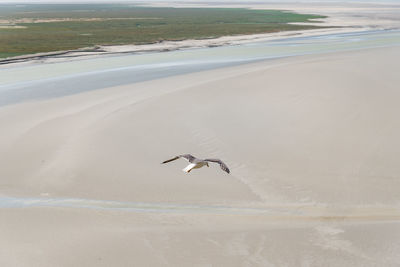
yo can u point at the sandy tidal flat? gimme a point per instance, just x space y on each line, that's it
312 143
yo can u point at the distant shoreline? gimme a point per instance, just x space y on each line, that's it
164 46
51 30
337 20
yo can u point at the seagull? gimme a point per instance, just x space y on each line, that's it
196 163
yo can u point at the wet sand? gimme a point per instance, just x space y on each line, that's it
311 140
32 81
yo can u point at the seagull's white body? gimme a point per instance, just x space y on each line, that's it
192 166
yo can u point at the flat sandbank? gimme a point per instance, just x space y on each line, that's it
311 139
278 123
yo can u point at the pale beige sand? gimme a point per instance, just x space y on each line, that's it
313 139
64 237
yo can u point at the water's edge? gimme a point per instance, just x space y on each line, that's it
40 81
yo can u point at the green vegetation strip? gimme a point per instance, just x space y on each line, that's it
47 28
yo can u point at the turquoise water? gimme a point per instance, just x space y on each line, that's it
14 202
20 83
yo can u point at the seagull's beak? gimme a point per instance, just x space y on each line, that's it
207 164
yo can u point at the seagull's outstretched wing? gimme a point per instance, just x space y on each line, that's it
170 160
221 164
188 157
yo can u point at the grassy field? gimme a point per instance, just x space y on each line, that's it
27 29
